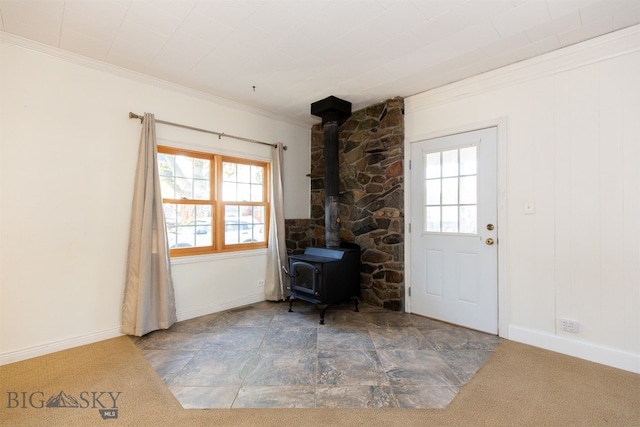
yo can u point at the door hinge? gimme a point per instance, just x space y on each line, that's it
409 290
409 164
409 227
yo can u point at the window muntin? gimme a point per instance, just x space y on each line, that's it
451 191
212 203
244 200
184 177
188 225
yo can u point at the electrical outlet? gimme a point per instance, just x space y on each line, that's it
569 326
260 283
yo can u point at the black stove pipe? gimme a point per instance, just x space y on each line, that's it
334 112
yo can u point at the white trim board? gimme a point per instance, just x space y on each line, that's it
210 309
582 350
54 346
617 43
11 39
65 344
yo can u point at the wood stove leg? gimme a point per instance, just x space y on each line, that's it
290 304
323 308
355 301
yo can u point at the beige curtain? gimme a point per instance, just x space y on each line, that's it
149 301
277 250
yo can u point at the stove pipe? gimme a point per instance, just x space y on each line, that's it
334 112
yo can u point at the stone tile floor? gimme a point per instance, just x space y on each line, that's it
262 356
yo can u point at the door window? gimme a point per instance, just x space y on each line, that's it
451 191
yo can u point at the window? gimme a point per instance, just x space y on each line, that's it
451 191
213 203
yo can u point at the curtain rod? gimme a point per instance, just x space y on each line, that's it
219 134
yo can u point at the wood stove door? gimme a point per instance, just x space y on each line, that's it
305 278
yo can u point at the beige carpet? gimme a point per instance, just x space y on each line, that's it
518 385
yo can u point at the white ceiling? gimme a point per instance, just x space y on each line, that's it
295 52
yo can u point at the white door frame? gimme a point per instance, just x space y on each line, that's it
501 127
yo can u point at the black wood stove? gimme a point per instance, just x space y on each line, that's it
325 276
328 275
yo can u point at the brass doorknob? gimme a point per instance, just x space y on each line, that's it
489 241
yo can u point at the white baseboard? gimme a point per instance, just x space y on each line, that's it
227 305
52 347
580 349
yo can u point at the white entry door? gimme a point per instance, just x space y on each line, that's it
453 237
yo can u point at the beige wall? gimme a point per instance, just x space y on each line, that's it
67 157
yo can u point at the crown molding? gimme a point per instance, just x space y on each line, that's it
96 64
611 45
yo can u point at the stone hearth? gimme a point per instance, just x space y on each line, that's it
371 199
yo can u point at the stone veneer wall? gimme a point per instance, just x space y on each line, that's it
371 199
